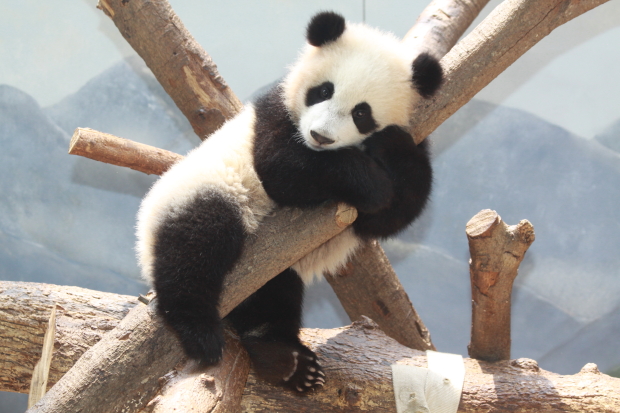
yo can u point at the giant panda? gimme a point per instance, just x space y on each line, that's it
335 129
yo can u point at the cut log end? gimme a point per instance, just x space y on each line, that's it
345 215
482 224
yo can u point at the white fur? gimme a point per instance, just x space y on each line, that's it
365 65
221 163
329 258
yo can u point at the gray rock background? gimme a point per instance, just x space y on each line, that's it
540 143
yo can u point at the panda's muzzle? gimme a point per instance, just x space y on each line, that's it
321 140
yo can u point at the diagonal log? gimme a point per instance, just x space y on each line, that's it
441 24
357 359
499 40
121 371
180 64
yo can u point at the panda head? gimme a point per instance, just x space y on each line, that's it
352 80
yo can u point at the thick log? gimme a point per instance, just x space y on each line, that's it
120 372
111 149
507 33
441 24
180 64
357 362
368 286
217 389
496 251
83 317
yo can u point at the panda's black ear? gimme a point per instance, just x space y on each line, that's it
324 27
427 74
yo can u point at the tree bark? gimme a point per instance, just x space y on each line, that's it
180 64
507 33
496 251
356 360
111 149
83 317
368 286
120 372
217 389
441 24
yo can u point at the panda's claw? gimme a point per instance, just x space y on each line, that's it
307 374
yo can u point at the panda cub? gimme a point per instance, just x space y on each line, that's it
335 129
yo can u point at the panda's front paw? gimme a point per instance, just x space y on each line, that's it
306 373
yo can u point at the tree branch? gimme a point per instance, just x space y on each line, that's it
506 34
371 288
107 148
120 372
441 24
357 360
496 251
180 64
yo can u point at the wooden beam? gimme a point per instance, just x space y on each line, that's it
356 359
496 251
185 71
111 149
502 37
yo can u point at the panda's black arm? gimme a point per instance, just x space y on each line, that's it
409 168
294 175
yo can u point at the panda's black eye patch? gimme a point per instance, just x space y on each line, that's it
362 117
319 93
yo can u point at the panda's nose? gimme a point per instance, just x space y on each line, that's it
322 140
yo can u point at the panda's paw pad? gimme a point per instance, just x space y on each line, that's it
306 374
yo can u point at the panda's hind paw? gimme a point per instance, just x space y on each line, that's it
286 363
306 373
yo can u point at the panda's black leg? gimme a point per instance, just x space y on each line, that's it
194 249
268 323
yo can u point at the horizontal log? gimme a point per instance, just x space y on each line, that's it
107 148
357 363
83 317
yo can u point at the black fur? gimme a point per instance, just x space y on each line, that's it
268 323
319 93
389 182
295 175
193 251
427 74
409 168
362 117
324 27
